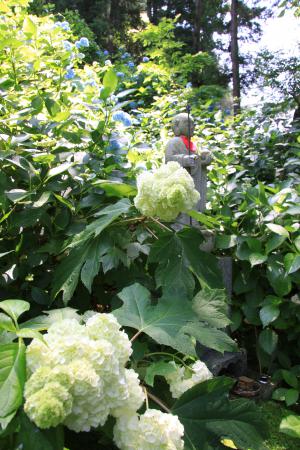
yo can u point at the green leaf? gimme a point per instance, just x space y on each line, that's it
268 340
92 264
30 437
53 108
297 243
291 262
268 314
160 368
41 323
6 323
173 270
291 397
209 416
82 252
12 377
116 189
162 322
66 275
177 255
15 195
110 80
210 337
110 213
204 265
290 425
44 198
278 278
59 169
29 26
290 378
274 242
224 241
29 333
211 306
14 308
278 229
208 221
257 258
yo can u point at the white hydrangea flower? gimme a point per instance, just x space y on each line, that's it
153 430
87 364
166 192
133 395
126 432
107 327
183 379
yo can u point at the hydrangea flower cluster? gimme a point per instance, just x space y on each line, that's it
183 379
166 192
123 117
78 375
83 42
153 430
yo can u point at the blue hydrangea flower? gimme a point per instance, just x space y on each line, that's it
133 104
146 59
83 42
130 64
65 26
68 46
120 74
121 116
188 85
105 52
98 52
70 74
114 144
125 55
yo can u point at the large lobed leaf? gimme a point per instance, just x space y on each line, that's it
208 416
178 256
170 322
85 254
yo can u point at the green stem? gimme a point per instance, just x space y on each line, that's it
158 402
172 356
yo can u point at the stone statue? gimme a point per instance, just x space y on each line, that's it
184 151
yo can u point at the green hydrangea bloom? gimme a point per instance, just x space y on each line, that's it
49 406
166 192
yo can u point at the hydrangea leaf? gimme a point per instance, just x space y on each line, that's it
162 322
12 377
83 258
209 416
211 306
160 368
178 255
30 437
171 322
14 308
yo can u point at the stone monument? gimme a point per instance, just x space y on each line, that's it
181 149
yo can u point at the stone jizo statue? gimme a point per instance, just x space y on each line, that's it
181 149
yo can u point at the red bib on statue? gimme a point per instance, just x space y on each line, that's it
188 144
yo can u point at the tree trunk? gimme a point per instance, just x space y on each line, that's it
234 50
152 11
197 25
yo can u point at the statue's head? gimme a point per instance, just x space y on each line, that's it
180 125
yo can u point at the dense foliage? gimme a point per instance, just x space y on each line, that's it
75 138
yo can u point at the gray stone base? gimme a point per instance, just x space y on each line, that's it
231 363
